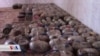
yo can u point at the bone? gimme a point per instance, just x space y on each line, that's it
88 52
7 29
58 43
39 46
96 44
91 39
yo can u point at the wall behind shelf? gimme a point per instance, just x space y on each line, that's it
86 11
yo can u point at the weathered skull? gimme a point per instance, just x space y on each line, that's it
90 39
67 18
54 32
43 38
58 43
96 44
76 39
88 52
24 44
39 46
7 29
80 45
66 53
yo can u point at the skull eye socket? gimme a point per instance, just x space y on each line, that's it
54 37
16 33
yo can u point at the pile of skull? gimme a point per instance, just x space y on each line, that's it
54 36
